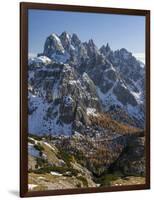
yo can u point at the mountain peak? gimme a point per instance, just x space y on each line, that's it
54 36
53 45
92 49
91 42
108 47
123 50
105 49
124 53
65 35
75 40
74 36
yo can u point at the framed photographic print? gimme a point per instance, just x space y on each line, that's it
85 99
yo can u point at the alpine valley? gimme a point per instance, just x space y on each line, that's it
86 116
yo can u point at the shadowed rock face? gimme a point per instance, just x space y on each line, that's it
124 95
64 96
132 159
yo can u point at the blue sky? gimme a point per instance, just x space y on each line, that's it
118 30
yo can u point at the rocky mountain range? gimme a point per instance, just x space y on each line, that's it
71 80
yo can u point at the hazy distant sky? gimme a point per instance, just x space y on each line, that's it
118 30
